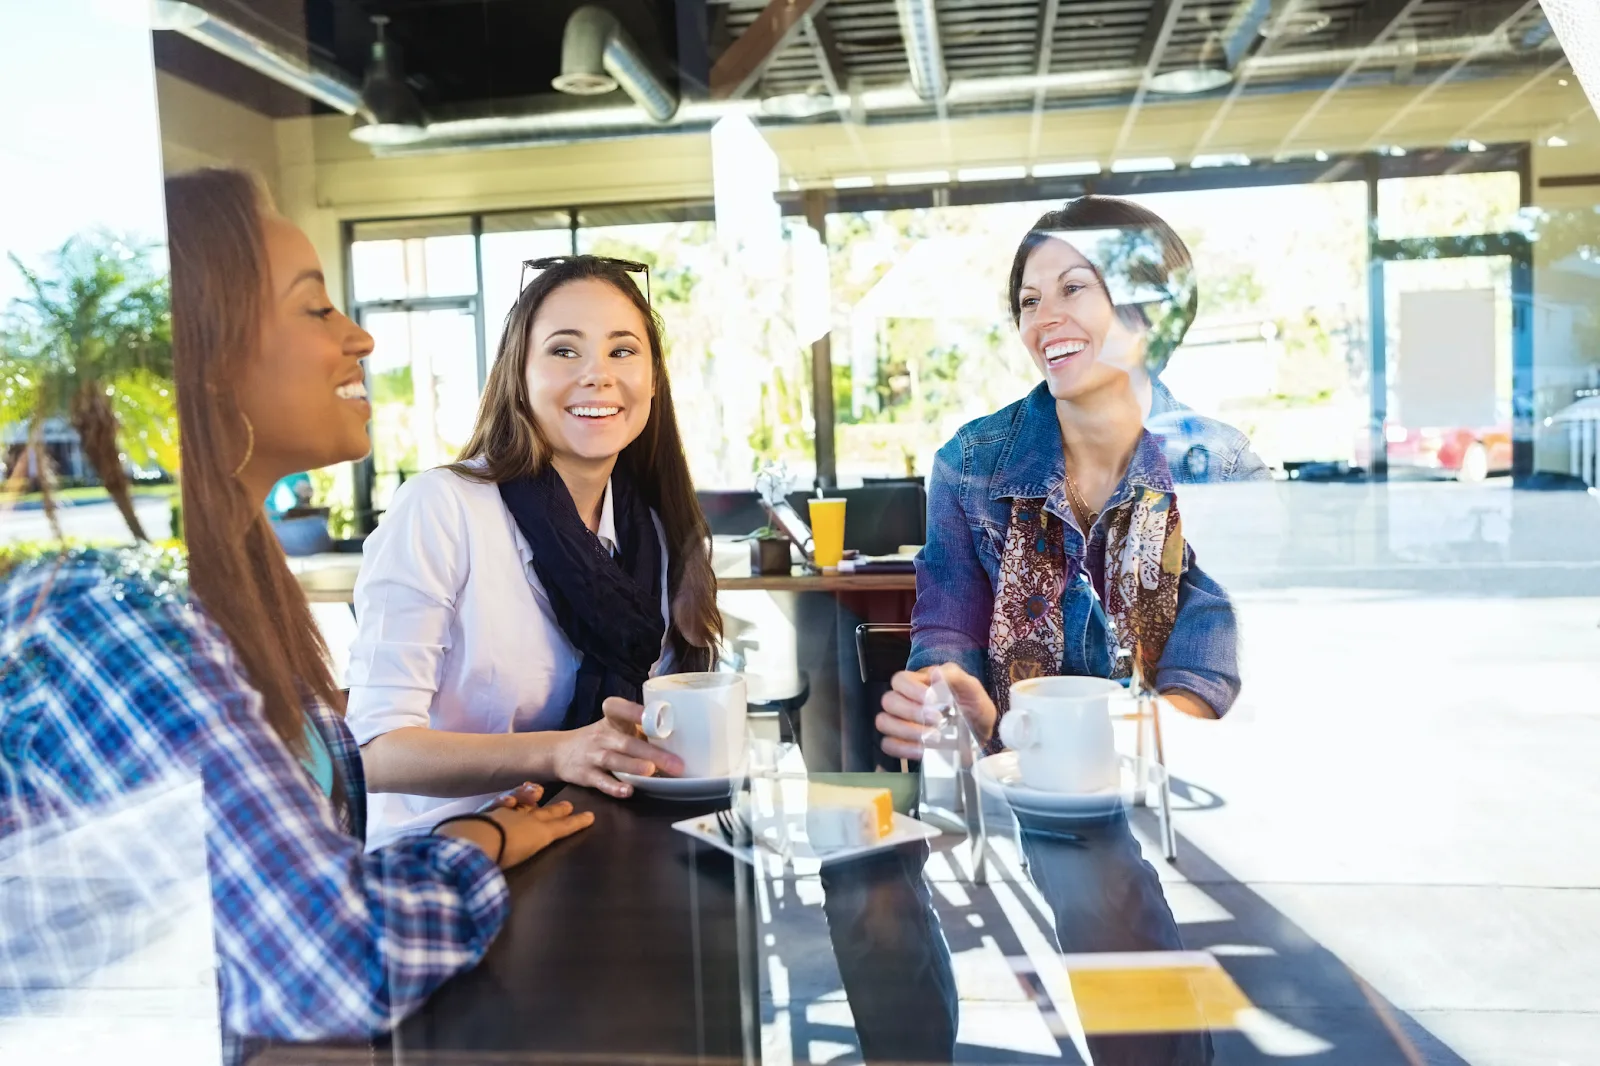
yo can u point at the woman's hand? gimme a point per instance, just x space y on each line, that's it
589 756
904 720
528 830
525 795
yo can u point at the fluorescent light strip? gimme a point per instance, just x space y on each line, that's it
992 174
1234 159
861 181
1132 166
918 177
1075 169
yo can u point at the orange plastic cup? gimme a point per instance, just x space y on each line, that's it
827 531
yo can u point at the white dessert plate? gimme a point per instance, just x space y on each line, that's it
906 830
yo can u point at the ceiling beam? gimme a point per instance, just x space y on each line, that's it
1375 22
738 69
1157 32
1049 11
1152 50
1484 43
825 50
1390 15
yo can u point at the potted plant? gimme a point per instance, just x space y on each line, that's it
769 552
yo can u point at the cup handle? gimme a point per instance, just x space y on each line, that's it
657 720
1016 729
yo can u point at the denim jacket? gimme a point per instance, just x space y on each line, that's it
1016 452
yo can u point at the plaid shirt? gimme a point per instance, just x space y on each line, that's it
134 756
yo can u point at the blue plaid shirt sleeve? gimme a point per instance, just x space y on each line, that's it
106 688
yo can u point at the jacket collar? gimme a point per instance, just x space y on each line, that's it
1033 467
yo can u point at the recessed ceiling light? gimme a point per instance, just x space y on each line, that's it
1321 156
1563 82
1555 142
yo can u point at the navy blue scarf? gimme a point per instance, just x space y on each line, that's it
609 606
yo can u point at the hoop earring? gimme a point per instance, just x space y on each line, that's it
250 445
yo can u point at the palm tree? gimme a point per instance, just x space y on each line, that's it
92 340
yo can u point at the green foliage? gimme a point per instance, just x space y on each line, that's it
393 386
98 316
165 560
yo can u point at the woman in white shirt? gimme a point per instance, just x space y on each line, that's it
512 605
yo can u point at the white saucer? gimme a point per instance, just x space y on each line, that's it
999 775
684 788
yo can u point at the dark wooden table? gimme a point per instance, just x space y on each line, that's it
628 941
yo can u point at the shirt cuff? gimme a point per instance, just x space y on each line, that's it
374 710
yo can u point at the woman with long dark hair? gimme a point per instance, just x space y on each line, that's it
512 605
117 686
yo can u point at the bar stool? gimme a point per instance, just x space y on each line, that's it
1146 719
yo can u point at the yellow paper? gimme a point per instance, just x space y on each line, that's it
1154 992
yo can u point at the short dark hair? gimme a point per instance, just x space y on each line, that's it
1165 266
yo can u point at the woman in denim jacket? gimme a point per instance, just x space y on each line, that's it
1054 542
1053 532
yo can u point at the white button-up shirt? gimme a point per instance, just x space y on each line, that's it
455 632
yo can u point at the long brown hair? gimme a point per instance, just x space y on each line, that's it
507 444
221 290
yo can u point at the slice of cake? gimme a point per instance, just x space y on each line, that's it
840 816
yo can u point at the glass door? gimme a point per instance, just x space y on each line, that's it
1453 367
422 380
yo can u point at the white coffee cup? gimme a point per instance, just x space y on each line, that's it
1060 728
700 718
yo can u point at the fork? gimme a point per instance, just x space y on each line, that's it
734 829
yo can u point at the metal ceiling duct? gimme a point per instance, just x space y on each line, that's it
220 35
556 119
598 56
552 119
919 26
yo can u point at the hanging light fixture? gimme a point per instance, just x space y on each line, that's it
1209 71
391 114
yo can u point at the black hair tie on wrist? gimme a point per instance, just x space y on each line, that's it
478 816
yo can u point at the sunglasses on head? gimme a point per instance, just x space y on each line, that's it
628 265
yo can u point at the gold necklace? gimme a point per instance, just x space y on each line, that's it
1080 508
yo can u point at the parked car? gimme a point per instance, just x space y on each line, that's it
1470 454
